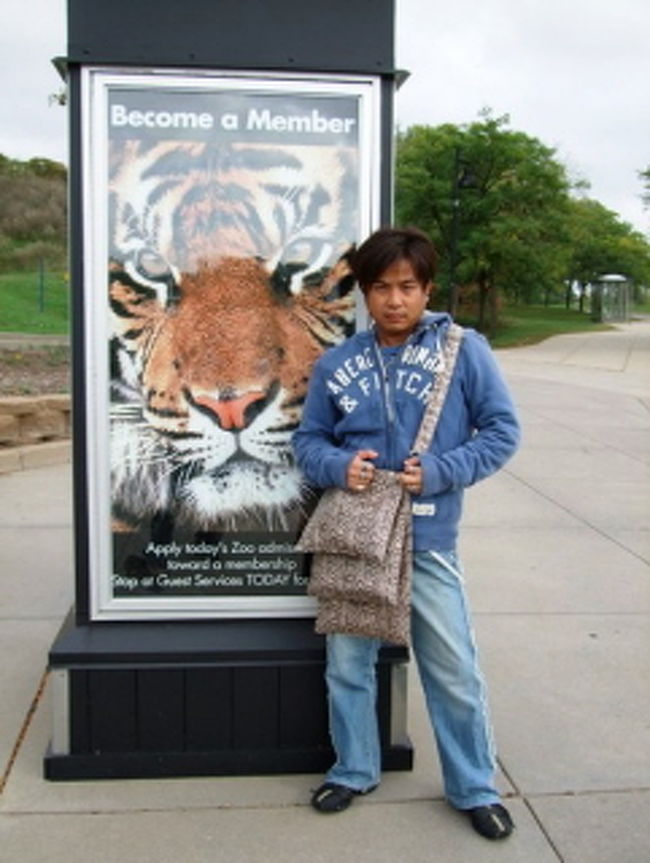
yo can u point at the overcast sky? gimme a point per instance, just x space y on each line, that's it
573 73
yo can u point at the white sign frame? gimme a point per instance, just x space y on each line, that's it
97 84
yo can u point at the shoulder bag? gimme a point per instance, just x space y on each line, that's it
361 541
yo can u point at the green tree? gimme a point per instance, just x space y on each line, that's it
493 200
644 176
600 242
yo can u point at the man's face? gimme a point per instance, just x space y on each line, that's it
396 301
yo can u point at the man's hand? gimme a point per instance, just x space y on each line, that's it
411 478
361 470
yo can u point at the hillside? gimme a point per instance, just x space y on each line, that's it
33 215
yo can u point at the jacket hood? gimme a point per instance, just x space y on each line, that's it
440 321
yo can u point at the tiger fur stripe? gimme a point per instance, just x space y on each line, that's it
228 277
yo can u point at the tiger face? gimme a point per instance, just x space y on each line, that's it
228 277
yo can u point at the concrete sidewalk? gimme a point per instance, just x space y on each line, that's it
557 552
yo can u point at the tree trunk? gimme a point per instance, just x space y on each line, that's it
581 298
483 288
493 298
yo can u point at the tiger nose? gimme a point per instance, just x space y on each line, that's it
230 412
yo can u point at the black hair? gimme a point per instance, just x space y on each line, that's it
388 245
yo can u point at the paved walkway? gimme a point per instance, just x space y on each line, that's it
557 553
21 340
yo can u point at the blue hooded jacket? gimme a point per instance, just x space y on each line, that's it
362 396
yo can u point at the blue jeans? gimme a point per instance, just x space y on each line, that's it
445 652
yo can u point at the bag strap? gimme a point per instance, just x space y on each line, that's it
438 394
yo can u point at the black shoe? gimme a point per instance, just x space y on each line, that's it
331 797
492 822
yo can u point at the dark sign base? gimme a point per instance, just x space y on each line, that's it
244 697
167 765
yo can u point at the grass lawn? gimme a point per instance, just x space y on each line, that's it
27 306
527 325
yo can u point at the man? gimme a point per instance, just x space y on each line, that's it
362 412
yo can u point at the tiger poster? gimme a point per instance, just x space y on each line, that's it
231 209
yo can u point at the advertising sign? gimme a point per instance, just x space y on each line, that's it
219 214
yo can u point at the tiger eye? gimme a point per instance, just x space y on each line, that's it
151 264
